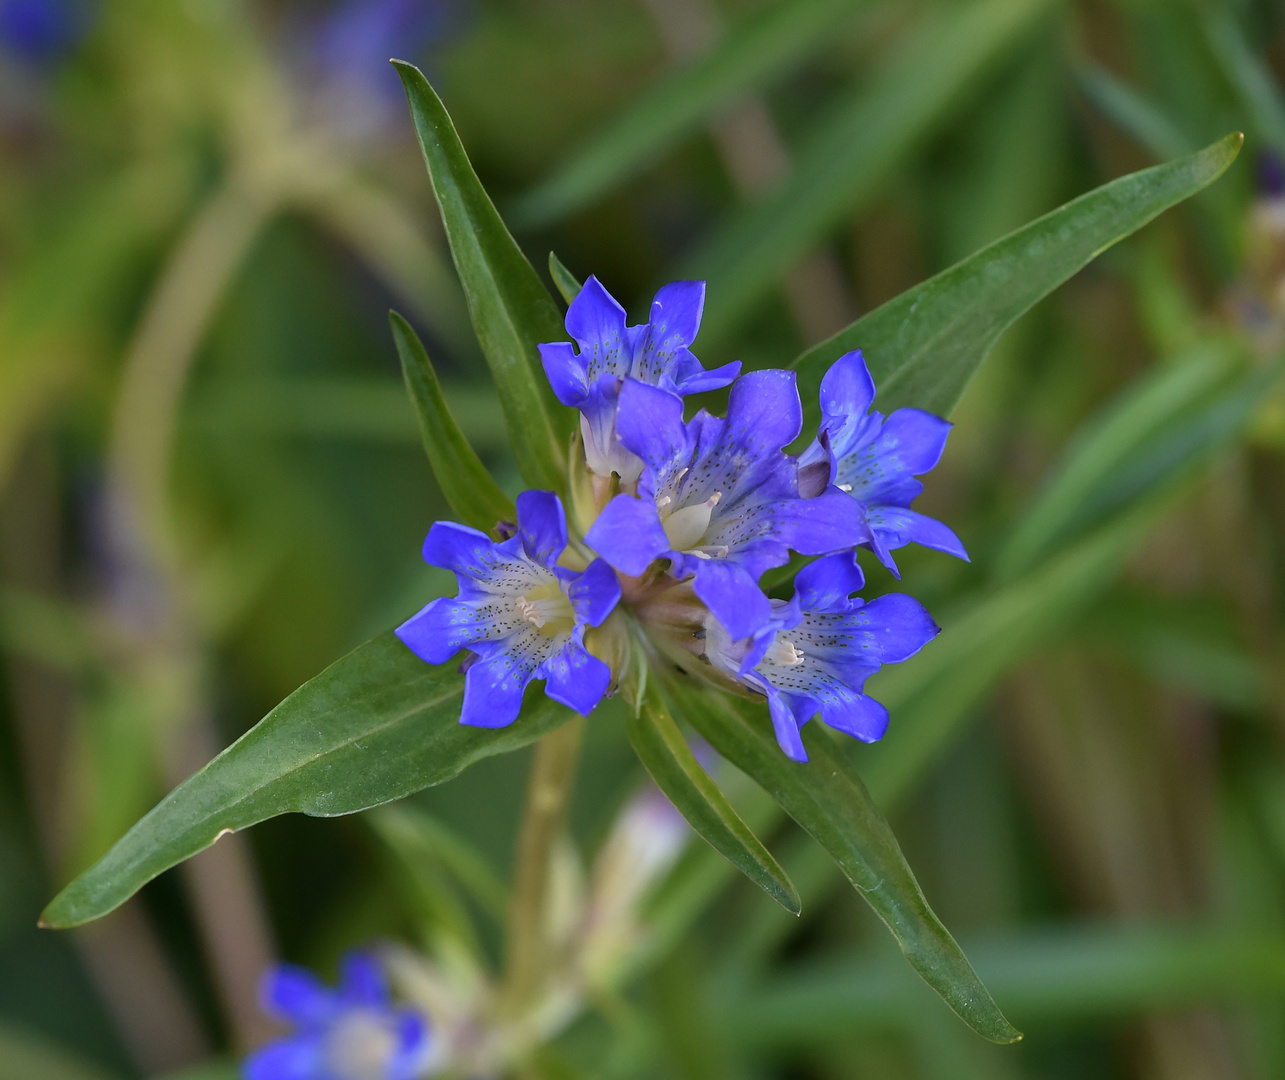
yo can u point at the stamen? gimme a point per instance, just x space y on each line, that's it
686 527
844 487
784 653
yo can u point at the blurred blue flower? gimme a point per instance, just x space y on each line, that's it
656 353
36 31
817 651
719 498
521 614
353 1032
876 460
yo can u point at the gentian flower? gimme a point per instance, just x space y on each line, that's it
521 614
353 1032
655 353
818 649
36 30
876 460
720 498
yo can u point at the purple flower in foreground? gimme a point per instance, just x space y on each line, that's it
817 651
610 352
876 460
352 1032
720 498
522 614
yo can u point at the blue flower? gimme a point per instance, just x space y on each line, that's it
876 460
818 649
352 1032
521 614
720 498
610 352
37 30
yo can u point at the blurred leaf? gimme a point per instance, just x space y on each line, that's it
1172 416
1252 79
27 1056
475 498
374 726
1053 977
1132 113
217 1070
923 346
563 278
763 48
511 310
419 835
828 798
853 151
658 742
46 629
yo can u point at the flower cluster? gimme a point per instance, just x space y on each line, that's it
687 516
353 1032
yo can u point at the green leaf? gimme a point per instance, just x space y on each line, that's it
852 152
25 1055
374 726
923 346
827 798
563 278
1082 972
475 498
662 749
1171 418
511 310
764 47
1133 113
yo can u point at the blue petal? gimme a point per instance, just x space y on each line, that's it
493 689
847 388
826 584
786 726
883 471
543 525
455 547
896 527
575 679
732 596
856 715
676 313
893 627
628 534
763 413
298 1058
413 1043
294 993
830 522
362 981
690 377
597 323
442 629
567 372
595 593
650 423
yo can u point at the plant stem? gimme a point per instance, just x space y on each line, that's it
548 789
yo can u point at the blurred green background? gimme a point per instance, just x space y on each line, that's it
206 210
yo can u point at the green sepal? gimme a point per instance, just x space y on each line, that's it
563 278
375 726
475 498
828 799
923 346
662 749
512 311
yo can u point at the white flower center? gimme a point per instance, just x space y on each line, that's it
686 527
547 608
359 1046
783 653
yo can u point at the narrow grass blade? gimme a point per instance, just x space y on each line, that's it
475 498
563 278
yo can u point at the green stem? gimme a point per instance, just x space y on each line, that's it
548 789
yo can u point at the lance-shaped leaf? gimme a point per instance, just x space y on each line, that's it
854 150
827 798
374 726
475 498
662 749
923 346
763 47
512 311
